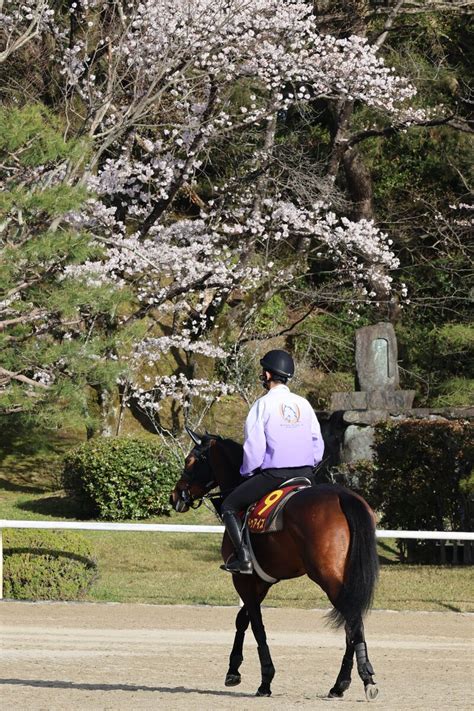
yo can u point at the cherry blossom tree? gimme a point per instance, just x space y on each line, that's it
164 89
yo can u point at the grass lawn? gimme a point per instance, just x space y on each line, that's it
184 568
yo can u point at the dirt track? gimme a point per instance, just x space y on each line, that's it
89 656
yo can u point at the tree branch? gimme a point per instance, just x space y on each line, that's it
396 128
388 23
161 205
288 329
21 319
22 378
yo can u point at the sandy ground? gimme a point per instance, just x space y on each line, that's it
130 657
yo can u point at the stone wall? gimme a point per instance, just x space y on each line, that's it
349 434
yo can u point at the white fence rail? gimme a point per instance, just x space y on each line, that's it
453 536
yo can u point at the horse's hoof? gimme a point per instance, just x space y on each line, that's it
371 692
264 689
232 679
335 694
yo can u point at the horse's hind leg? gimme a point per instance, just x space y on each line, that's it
236 656
343 680
364 667
355 642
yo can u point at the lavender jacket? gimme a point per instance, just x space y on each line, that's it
281 431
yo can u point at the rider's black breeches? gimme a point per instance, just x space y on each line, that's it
258 485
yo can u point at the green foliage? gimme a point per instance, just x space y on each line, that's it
321 390
440 362
270 316
47 565
57 330
34 134
327 340
417 165
455 392
416 176
419 479
456 338
119 478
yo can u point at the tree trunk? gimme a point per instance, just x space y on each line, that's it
359 185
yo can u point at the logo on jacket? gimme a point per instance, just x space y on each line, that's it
290 413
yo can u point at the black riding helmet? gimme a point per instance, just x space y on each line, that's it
278 362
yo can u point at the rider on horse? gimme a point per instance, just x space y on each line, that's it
282 440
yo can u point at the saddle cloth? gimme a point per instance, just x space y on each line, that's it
266 515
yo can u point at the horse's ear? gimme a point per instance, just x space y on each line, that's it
195 437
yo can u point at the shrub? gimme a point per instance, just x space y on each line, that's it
47 565
118 478
421 479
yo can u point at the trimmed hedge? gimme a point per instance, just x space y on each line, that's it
422 471
422 478
120 478
47 565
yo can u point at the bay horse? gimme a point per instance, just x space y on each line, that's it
328 534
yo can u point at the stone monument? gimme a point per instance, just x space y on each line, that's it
377 381
377 395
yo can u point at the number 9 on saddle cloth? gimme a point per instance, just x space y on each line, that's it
266 515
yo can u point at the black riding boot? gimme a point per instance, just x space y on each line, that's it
241 562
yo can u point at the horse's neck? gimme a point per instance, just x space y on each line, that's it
227 460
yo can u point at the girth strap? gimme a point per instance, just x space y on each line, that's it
256 565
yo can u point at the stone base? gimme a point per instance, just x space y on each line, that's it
348 401
373 400
357 444
365 417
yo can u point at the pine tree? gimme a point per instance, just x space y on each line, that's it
49 360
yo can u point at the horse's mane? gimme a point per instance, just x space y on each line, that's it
233 452
235 448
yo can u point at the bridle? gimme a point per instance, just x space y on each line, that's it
199 472
201 456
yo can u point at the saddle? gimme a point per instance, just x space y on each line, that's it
266 515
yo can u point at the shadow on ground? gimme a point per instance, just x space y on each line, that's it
46 684
21 488
392 556
58 506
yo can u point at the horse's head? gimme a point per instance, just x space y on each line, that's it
197 477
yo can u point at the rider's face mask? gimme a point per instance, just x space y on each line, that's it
265 380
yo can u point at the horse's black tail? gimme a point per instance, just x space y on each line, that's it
362 569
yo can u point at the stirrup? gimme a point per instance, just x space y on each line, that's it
234 565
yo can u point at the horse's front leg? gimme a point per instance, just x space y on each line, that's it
236 656
252 591
266 664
